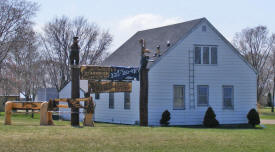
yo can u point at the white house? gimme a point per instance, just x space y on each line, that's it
197 68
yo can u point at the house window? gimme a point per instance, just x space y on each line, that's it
97 96
206 55
197 55
203 95
214 55
111 100
126 100
179 96
228 97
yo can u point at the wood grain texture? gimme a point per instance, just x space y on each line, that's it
109 86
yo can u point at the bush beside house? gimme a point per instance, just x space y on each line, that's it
253 117
164 121
210 118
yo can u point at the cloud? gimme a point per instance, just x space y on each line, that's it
128 26
146 21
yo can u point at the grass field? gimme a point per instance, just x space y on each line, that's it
265 113
26 135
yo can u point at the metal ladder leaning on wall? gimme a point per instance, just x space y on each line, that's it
191 79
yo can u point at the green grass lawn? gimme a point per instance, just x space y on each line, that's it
265 113
26 135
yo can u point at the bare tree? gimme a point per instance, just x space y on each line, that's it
57 38
256 45
25 63
14 16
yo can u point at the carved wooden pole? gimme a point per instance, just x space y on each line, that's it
75 71
8 109
143 96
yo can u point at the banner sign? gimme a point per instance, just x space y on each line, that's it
94 73
108 73
124 73
109 86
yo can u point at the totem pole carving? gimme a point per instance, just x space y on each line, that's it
74 54
143 95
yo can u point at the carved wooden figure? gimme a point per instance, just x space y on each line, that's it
74 54
89 109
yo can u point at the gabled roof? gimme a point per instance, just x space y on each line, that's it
129 53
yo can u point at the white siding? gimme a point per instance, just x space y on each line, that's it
102 111
172 69
118 114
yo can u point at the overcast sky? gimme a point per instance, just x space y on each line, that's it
125 17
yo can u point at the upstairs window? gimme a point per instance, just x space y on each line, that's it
206 55
214 55
197 55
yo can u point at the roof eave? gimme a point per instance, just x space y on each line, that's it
173 46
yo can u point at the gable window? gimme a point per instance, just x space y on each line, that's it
179 96
203 28
126 100
203 92
111 100
228 97
206 55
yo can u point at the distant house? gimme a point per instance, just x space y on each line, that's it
197 68
45 94
10 94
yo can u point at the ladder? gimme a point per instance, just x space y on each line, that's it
191 79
